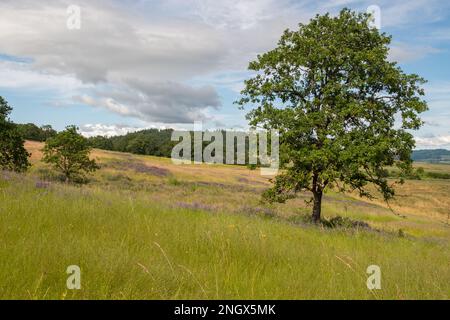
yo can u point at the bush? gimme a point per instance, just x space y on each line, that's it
344 222
173 181
334 222
438 175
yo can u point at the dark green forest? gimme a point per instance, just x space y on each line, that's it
153 142
30 131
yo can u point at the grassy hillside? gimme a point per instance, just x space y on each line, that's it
145 228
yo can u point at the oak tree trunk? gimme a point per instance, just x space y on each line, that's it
317 206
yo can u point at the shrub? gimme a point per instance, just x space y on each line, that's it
68 152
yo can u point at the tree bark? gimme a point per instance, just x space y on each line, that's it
317 208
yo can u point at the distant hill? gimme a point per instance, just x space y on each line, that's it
432 156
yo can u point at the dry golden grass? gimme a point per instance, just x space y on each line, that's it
35 149
421 208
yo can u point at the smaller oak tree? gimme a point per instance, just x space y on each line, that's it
68 152
13 155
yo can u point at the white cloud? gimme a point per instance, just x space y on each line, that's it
438 97
433 142
409 13
162 61
402 52
98 129
17 75
240 14
111 43
168 102
398 14
232 80
440 34
145 61
148 61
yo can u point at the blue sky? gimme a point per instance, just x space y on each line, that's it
140 64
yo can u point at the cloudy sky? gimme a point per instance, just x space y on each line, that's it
145 63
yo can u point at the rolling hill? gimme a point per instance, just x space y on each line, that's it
145 228
432 156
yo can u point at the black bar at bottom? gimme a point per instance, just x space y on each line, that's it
230 309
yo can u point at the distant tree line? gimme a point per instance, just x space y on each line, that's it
157 142
30 131
153 142
432 156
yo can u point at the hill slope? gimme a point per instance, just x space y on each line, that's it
146 228
433 156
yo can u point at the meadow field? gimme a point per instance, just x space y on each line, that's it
144 228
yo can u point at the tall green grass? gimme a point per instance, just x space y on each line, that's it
129 247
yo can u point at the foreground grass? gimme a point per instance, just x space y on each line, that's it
129 247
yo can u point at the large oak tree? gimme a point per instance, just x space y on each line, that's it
343 109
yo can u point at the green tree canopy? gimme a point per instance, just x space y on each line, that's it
343 110
13 155
68 152
30 131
